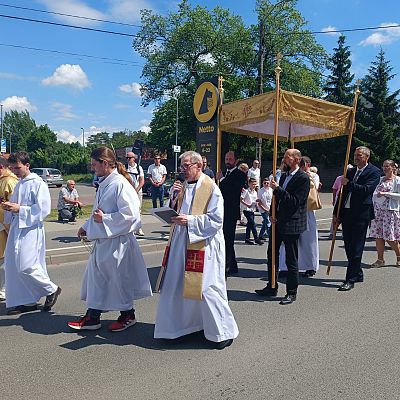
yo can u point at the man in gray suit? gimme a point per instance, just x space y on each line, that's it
290 221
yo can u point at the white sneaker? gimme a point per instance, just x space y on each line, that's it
140 232
2 295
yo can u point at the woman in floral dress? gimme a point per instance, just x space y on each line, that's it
386 225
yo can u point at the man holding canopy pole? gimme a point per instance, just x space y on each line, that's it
355 213
291 220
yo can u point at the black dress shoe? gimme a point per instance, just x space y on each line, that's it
346 286
288 299
22 309
309 273
267 291
248 241
259 241
51 300
223 344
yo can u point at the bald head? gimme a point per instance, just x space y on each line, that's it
230 159
131 157
292 159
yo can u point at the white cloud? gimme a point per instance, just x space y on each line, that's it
73 7
133 88
63 111
384 36
18 104
67 137
145 129
15 77
68 75
330 30
127 10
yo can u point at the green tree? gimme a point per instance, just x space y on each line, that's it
339 89
19 126
378 118
41 138
99 139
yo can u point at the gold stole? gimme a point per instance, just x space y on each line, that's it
195 252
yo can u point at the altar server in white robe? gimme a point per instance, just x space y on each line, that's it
116 274
308 240
188 302
25 266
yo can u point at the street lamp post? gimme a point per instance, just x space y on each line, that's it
83 143
176 136
1 106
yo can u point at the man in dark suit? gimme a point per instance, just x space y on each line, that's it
356 212
290 221
231 184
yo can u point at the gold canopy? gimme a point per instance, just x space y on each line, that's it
300 117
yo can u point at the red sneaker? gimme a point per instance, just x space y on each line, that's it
123 322
86 323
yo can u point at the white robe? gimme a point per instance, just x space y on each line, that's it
25 266
177 316
116 273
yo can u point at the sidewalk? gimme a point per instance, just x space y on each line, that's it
63 245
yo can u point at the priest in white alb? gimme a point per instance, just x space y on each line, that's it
116 274
192 284
25 265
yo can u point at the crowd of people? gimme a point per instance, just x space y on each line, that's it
200 253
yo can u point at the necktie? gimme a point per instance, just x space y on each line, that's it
227 173
356 176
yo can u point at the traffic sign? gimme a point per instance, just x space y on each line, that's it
3 146
177 149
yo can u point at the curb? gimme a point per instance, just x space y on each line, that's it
53 257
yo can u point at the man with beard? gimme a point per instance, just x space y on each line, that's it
290 221
231 185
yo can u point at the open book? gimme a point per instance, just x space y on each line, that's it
164 214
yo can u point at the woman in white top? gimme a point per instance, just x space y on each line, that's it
249 199
386 225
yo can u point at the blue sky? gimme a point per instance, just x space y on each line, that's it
70 92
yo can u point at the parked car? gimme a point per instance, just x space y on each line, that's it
51 176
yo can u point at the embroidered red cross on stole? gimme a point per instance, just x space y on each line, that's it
194 260
194 265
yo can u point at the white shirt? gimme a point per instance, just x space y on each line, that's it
254 173
157 172
250 196
265 195
135 172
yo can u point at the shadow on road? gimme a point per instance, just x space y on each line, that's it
67 239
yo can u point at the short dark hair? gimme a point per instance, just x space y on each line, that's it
19 156
305 160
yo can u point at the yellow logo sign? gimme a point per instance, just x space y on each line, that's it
205 102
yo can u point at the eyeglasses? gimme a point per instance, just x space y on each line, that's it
185 167
157 158
128 158
265 182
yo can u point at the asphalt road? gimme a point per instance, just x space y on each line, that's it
327 345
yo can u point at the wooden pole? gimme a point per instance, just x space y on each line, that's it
219 132
278 70
346 163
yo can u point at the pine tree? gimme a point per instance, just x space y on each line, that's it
378 118
339 88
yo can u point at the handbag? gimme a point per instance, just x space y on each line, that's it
313 200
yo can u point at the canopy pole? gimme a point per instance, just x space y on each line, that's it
346 163
219 131
278 70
